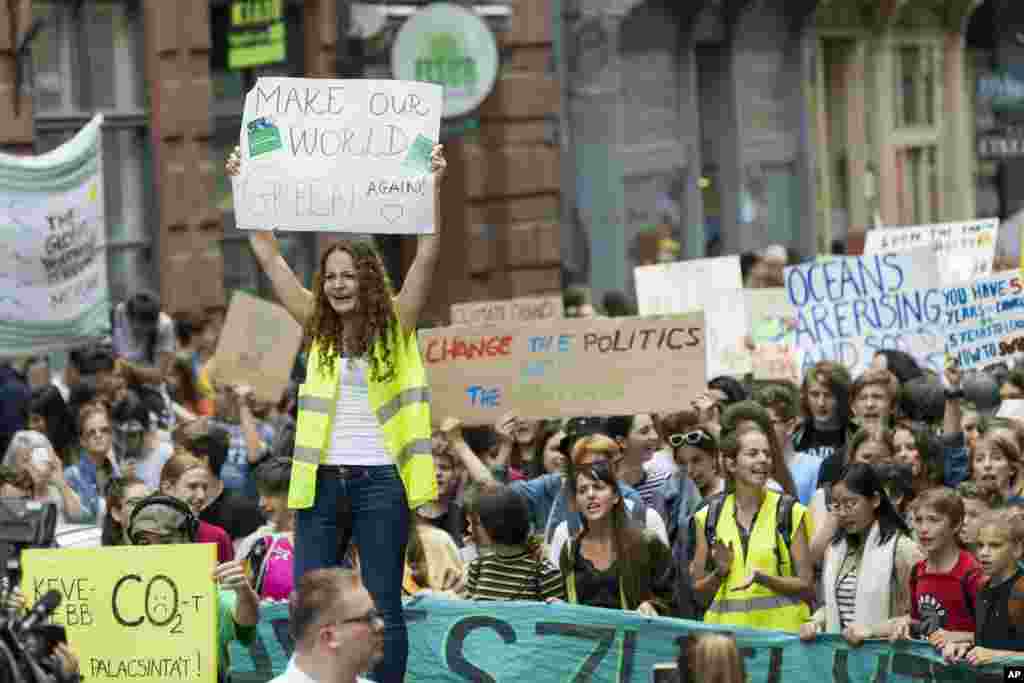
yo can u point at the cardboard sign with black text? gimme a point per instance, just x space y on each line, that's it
564 368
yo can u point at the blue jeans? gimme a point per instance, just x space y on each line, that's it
370 508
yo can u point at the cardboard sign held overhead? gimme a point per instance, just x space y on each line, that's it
965 250
564 368
338 156
521 310
712 285
257 347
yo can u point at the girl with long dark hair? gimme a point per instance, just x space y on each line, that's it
867 565
611 563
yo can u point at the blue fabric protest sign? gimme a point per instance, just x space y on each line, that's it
485 641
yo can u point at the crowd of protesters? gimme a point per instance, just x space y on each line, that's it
890 505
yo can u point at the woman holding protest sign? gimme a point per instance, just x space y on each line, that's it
362 454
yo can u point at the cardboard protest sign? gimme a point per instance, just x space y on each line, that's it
520 310
984 320
848 308
712 285
965 250
148 614
338 156
257 346
570 367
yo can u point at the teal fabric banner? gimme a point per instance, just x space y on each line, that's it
519 641
53 264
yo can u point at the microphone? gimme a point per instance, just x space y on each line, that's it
41 611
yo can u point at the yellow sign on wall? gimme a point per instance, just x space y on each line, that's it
257 33
145 614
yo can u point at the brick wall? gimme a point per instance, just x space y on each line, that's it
501 198
16 133
177 44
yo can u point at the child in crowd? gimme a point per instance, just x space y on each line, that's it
978 502
999 630
943 586
514 568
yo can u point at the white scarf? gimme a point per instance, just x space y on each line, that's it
874 581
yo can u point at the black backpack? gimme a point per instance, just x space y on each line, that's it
783 528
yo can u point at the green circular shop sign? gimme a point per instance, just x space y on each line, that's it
451 46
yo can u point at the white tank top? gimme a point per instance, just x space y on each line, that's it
357 438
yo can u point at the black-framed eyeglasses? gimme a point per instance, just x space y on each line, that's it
370 618
698 437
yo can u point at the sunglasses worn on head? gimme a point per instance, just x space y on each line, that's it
698 438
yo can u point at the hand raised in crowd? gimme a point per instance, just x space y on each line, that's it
953 373
855 634
980 656
231 575
707 407
505 428
68 660
901 629
940 638
15 599
258 238
233 166
242 394
752 578
808 631
451 431
955 652
722 556
647 609
438 164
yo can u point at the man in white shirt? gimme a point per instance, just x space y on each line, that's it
338 632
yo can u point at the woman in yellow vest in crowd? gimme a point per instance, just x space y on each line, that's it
362 455
756 578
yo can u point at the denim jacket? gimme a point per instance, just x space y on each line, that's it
83 480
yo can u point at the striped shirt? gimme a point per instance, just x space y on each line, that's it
517 576
846 598
651 482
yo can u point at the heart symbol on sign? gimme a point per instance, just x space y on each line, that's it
392 212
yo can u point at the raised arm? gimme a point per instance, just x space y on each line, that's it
289 290
416 288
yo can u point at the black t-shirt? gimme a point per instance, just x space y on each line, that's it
233 512
821 444
1000 615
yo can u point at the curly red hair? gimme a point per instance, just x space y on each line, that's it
326 328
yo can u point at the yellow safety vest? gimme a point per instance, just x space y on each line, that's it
402 407
756 606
